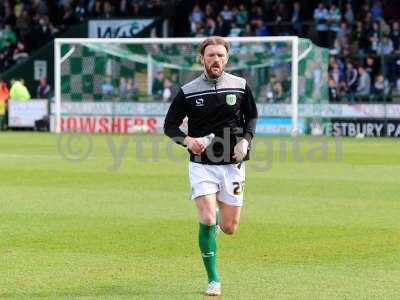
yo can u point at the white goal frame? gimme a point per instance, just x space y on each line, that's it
58 42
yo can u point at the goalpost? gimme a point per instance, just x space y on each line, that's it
280 69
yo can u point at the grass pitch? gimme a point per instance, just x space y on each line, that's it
320 221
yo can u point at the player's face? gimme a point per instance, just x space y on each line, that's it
214 60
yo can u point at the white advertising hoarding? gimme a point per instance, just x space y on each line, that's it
25 113
361 111
126 28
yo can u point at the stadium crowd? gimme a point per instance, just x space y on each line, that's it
357 34
363 36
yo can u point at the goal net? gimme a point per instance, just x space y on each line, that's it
100 83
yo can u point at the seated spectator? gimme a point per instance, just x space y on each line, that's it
333 20
351 77
7 34
196 18
19 53
336 74
132 89
385 46
274 90
167 92
381 86
374 37
320 19
296 18
122 88
108 10
395 36
333 90
210 27
242 16
364 83
158 85
43 90
261 29
227 13
349 14
372 68
377 10
19 91
358 39
8 52
107 87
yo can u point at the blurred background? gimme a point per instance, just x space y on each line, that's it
361 38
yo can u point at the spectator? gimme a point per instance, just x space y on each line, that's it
196 18
296 18
135 10
371 67
40 7
377 10
261 29
18 91
358 39
374 37
81 11
19 53
43 90
364 83
381 86
349 14
222 27
320 18
336 74
167 92
227 13
158 85
7 34
107 87
350 80
123 88
395 36
132 89
242 17
333 20
385 46
333 90
108 10
175 85
22 25
4 92
210 27
8 52
274 89
235 31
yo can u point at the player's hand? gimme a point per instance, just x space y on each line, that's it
194 145
240 150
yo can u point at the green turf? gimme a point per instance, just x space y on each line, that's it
320 228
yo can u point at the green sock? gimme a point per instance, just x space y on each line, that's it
208 248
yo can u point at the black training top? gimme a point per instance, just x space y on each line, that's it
224 106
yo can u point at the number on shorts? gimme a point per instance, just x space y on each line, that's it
238 187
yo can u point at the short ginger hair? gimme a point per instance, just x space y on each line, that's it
213 40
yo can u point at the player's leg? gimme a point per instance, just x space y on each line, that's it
229 217
206 206
230 197
204 188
